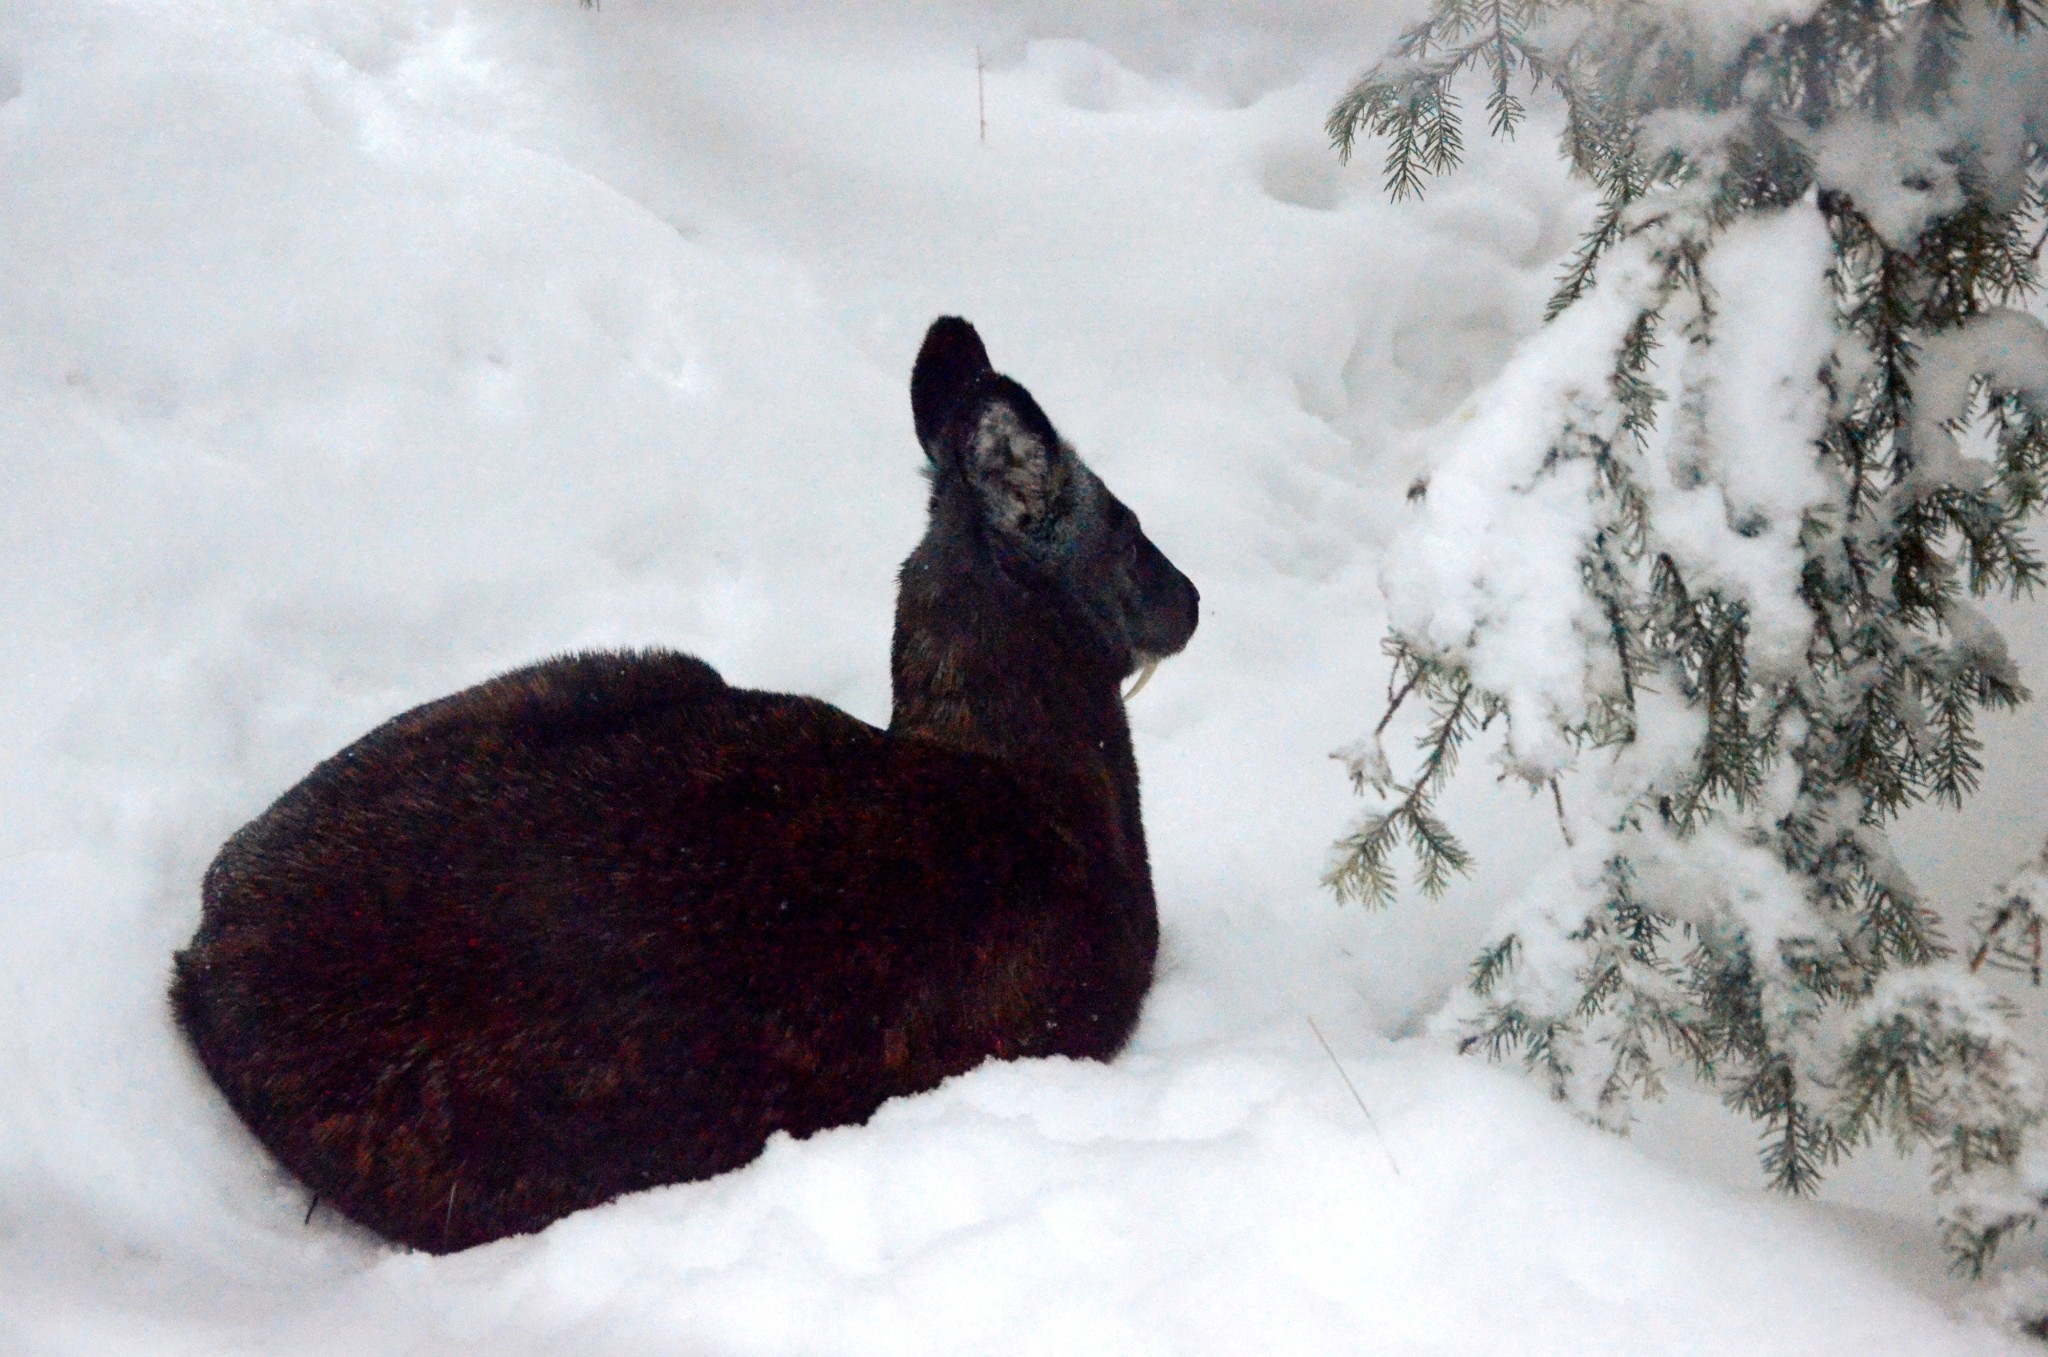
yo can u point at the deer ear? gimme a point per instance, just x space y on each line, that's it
950 363
1016 463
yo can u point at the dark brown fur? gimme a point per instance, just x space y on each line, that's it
607 922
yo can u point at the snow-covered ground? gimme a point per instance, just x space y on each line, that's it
354 350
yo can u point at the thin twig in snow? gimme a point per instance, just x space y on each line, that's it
1385 1149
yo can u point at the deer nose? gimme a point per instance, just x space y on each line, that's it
1175 617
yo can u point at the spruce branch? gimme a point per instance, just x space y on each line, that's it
1363 871
1789 777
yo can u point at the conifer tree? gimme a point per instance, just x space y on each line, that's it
1704 557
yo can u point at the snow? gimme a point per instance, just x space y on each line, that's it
1894 171
356 351
1902 171
1742 470
1488 568
2001 350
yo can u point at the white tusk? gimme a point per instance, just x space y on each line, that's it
1144 677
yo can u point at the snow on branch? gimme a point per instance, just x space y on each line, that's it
1707 548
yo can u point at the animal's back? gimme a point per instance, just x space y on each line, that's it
607 922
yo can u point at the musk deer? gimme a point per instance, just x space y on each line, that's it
605 922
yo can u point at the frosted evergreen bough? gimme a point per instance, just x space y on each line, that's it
1705 556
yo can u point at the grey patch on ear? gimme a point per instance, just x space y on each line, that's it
1025 484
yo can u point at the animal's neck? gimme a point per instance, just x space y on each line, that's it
991 665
